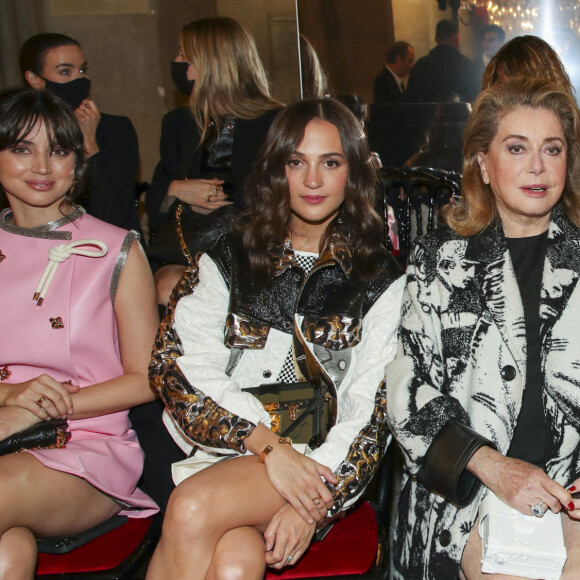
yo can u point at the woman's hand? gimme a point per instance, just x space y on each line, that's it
15 419
287 535
202 195
298 479
43 397
518 483
89 117
574 513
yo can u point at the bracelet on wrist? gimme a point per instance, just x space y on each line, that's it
269 448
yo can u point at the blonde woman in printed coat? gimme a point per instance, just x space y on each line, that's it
484 394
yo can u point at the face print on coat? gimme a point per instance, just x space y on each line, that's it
452 267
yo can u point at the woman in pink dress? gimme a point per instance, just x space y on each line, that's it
78 324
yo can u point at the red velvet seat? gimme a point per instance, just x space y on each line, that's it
114 555
349 548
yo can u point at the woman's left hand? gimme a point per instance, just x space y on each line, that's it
287 536
15 419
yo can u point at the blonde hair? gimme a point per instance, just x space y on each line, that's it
526 56
477 208
230 78
314 81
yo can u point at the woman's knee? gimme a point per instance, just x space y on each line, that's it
17 554
241 570
189 511
247 564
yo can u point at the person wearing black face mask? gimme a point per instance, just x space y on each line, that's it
207 148
179 71
56 62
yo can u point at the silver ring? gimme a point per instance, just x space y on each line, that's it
289 558
538 509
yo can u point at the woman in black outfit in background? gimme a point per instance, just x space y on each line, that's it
208 148
56 62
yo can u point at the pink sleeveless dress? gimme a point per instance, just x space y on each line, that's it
72 336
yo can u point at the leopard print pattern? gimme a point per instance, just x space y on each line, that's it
333 332
240 333
199 417
364 455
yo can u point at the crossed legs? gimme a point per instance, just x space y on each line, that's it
214 524
38 501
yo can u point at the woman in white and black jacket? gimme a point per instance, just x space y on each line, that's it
485 388
305 267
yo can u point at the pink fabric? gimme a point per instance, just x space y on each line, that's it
103 450
392 222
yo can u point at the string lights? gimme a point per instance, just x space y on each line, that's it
557 21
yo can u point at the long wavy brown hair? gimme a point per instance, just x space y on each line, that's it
229 75
526 56
265 224
478 208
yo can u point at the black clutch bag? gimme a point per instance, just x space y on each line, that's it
303 411
51 434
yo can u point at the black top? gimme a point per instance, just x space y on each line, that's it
530 437
386 89
216 155
111 174
181 157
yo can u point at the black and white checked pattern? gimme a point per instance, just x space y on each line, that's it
288 373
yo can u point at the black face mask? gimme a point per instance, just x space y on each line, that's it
179 77
72 93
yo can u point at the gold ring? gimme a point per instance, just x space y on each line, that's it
40 401
215 190
316 500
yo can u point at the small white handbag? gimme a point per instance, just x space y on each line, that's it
519 545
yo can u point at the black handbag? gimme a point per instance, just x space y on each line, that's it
302 411
51 434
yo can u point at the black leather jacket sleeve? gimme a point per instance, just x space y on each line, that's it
444 470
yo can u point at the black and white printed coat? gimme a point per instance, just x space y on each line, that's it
459 375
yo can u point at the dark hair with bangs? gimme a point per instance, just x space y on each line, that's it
20 111
266 222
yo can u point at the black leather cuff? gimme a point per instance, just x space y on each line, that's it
444 472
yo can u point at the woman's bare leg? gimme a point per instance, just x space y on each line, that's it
17 554
239 555
232 494
45 502
571 530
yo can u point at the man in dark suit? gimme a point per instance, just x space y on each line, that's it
444 75
492 39
388 86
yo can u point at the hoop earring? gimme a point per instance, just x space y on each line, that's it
69 194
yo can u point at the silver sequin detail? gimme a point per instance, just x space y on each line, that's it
45 231
120 263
